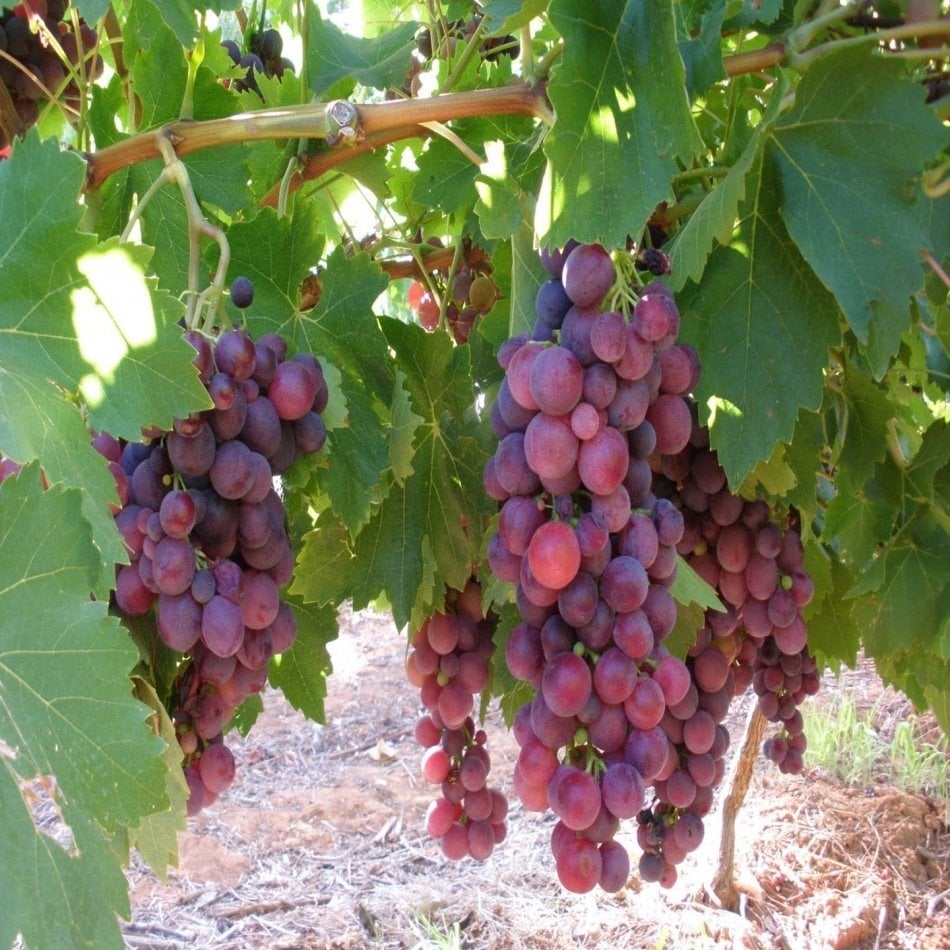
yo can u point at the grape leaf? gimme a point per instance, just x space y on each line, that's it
833 632
442 502
928 467
804 459
66 712
499 206
508 15
157 67
444 178
715 218
690 588
908 580
51 896
514 693
380 61
402 432
277 255
324 566
619 134
91 10
86 322
527 275
867 411
128 334
690 618
245 715
856 521
923 677
156 836
701 50
764 326
358 456
301 673
180 15
416 541
853 220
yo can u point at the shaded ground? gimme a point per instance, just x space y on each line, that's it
320 843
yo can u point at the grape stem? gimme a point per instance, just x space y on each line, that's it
198 225
935 267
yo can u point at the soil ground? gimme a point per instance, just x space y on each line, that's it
321 843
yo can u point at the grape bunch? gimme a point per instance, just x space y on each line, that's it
470 294
263 56
449 665
591 551
760 639
757 566
33 69
206 533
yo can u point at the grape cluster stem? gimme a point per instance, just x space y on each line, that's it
176 172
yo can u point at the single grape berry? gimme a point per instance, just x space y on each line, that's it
242 292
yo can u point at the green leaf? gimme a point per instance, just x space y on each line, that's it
846 154
437 374
514 693
301 673
441 505
157 35
358 456
140 370
380 61
324 567
500 205
619 133
927 475
690 618
764 326
402 431
445 178
690 588
863 428
715 218
507 15
87 323
156 837
923 677
277 255
702 53
857 521
67 713
905 596
833 632
527 275
180 15
417 542
91 10
803 456
774 477
50 896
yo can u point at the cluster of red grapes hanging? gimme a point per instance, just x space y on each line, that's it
43 59
204 524
603 476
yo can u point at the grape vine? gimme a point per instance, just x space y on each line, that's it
550 469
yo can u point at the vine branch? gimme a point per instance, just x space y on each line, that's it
310 121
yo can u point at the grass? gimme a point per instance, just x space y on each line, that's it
849 746
433 937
